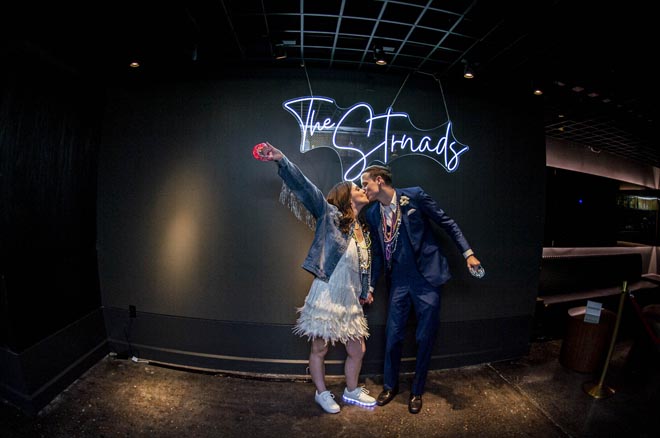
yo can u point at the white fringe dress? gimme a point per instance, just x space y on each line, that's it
332 309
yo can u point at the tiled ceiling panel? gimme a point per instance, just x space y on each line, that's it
584 54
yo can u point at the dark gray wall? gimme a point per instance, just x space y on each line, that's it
191 233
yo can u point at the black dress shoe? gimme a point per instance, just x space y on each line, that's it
415 404
386 396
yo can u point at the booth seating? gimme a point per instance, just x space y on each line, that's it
589 277
649 314
567 281
645 352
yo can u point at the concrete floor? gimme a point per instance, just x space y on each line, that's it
534 396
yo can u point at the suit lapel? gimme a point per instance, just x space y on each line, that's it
377 219
404 211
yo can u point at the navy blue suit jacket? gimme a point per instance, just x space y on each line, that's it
416 214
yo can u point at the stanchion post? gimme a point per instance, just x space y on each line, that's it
599 390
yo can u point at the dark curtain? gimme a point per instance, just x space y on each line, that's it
49 128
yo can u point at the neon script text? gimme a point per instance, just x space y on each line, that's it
361 137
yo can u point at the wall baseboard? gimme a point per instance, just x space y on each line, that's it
265 349
32 378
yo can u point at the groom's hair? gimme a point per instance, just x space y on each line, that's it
376 170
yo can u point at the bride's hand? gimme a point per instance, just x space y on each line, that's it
271 153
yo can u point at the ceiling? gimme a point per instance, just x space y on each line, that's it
589 57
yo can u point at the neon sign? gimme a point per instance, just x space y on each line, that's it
361 137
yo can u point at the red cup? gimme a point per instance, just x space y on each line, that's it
256 152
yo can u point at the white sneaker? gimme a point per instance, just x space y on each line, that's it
359 396
327 402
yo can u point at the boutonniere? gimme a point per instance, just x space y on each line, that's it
404 201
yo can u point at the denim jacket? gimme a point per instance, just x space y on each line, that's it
329 242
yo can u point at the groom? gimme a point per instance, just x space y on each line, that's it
416 269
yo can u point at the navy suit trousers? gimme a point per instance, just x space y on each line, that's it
406 292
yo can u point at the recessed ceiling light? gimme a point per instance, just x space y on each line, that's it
577 89
380 57
468 72
134 64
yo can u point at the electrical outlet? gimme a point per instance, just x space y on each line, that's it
131 311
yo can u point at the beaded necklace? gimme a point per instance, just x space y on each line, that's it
364 265
391 235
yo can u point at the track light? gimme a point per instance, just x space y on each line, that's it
380 57
537 88
279 51
468 72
